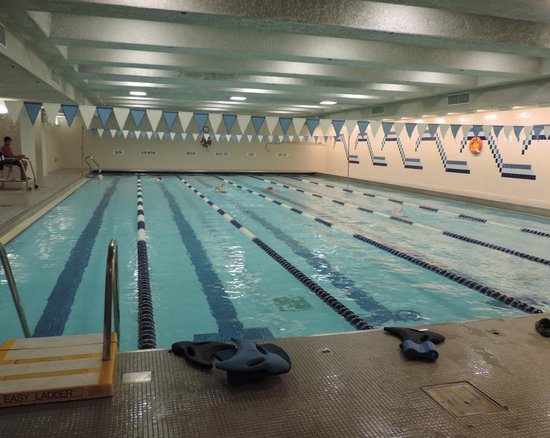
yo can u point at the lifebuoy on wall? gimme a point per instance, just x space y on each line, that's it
205 143
475 145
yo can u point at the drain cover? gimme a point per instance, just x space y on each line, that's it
462 399
142 377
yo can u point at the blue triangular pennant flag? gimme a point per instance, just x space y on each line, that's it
497 129
93 131
131 134
312 125
337 124
137 115
70 112
189 136
517 131
143 134
432 127
178 136
476 129
104 113
537 129
201 118
410 127
229 121
285 124
455 129
362 127
387 127
257 122
169 117
33 108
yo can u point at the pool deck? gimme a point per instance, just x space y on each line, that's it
491 380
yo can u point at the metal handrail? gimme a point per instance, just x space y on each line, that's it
14 293
111 299
87 161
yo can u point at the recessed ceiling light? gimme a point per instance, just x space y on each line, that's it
328 102
138 93
238 98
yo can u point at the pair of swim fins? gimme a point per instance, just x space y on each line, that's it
245 361
417 344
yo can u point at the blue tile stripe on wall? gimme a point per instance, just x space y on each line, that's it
61 299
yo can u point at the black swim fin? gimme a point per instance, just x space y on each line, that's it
200 353
414 335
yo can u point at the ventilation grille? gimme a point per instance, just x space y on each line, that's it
457 99
378 109
2 36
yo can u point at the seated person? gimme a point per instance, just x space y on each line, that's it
8 157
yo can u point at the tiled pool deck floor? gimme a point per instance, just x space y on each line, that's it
491 380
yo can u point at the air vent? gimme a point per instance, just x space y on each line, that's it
457 99
377 109
2 36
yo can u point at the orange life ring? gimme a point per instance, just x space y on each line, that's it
475 145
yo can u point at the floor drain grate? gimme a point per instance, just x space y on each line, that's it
142 377
462 399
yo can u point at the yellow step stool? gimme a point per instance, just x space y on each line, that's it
54 369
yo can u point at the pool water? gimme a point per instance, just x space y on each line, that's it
209 280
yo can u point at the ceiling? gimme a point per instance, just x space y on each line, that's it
284 56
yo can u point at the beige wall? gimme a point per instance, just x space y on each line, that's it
484 180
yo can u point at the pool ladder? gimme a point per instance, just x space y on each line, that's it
111 308
89 160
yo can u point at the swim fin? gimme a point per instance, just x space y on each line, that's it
415 335
200 353
417 344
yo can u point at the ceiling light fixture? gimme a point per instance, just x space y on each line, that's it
328 102
138 93
238 98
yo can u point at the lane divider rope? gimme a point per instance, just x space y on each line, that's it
325 296
146 321
472 284
452 235
428 208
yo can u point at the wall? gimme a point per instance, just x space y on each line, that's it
69 145
507 169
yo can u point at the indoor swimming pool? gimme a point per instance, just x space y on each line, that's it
271 256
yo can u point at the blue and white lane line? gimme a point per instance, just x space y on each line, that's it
448 213
146 322
356 321
472 284
60 302
450 234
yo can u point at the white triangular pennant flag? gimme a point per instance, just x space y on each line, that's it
87 112
113 132
154 118
374 127
271 123
398 128
121 115
421 128
51 110
239 137
249 137
466 130
243 122
185 118
350 126
299 123
325 125
487 129
149 134
215 120
125 133
196 136
161 135
507 132
227 137
14 109
443 129
173 135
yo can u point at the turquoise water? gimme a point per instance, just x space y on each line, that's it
208 280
